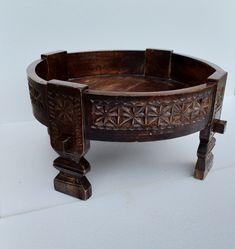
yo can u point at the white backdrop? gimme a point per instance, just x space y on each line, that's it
202 28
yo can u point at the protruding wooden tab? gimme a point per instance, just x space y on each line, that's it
53 53
217 76
219 126
56 65
158 63
66 85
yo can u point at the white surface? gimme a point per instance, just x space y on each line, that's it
30 27
186 214
141 197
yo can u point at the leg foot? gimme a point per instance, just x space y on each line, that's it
74 186
71 180
205 156
201 172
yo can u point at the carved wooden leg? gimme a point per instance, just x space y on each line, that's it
71 180
66 127
204 152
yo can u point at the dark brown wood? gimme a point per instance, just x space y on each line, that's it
123 96
103 62
67 132
71 180
129 83
207 140
146 118
219 126
158 63
204 153
56 65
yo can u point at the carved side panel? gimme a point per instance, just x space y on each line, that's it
36 96
66 119
157 114
38 100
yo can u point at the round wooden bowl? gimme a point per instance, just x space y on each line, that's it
123 96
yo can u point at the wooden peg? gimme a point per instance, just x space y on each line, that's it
219 126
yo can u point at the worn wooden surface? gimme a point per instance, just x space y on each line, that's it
123 96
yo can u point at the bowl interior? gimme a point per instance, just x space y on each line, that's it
129 83
126 71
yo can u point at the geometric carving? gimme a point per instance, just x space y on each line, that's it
64 108
156 114
36 96
66 122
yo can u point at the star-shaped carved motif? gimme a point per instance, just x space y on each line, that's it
105 115
133 116
186 112
64 109
200 108
176 114
159 115
182 113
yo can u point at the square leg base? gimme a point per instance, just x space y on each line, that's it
201 174
73 186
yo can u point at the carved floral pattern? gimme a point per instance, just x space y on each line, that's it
157 114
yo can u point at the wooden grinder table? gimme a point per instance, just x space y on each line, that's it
123 96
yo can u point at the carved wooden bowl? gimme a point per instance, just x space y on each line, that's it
123 96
